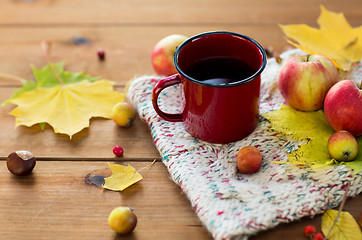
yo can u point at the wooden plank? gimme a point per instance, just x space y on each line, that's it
170 12
92 143
128 49
128 55
57 202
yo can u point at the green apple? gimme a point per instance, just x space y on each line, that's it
342 146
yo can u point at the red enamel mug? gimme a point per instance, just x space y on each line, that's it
220 76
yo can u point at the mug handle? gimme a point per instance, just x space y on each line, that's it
162 84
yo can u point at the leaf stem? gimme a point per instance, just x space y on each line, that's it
45 47
149 165
339 210
9 76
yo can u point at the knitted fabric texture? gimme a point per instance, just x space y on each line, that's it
229 204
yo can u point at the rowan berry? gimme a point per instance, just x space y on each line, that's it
101 54
118 151
318 236
309 230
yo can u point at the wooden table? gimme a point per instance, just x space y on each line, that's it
57 201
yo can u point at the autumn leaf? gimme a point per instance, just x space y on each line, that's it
335 39
46 78
345 228
122 177
312 128
67 106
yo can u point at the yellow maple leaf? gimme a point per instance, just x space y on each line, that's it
335 39
345 228
122 177
67 108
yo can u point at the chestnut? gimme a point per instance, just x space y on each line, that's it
20 163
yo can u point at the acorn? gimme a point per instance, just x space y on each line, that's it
21 163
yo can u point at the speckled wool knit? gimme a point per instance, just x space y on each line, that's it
232 205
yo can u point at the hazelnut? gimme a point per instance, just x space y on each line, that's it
20 163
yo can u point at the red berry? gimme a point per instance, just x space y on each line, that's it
118 151
101 54
309 230
318 236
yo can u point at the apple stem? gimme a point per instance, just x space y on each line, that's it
45 47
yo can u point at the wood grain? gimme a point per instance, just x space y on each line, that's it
128 49
58 200
166 12
93 143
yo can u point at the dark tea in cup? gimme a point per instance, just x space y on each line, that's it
219 70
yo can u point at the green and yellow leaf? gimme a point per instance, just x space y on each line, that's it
45 77
67 107
312 128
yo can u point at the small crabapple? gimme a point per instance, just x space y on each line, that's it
122 220
342 146
249 160
123 114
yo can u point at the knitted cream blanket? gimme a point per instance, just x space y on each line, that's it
232 205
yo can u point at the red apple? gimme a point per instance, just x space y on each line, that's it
163 53
342 146
343 107
305 80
